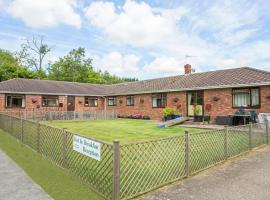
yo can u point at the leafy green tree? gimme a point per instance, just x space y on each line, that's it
10 68
73 67
77 67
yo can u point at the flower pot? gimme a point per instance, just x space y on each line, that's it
206 118
177 116
198 118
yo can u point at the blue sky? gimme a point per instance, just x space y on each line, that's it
145 39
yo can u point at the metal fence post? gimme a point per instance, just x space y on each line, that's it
116 170
11 125
64 148
50 116
22 129
187 151
267 131
38 137
226 143
250 136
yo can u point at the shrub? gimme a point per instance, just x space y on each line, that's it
169 111
137 116
197 110
146 117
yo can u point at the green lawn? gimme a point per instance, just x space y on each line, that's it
58 183
124 130
143 166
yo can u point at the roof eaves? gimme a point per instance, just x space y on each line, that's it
192 89
46 93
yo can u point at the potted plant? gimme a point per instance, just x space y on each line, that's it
170 113
197 117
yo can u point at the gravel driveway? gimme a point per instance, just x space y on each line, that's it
15 184
243 178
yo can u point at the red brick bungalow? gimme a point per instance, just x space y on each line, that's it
217 93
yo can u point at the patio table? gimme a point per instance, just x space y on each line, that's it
244 116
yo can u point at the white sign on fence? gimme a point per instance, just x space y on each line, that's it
87 147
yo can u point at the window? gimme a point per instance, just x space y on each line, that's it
50 101
91 101
247 97
112 101
130 100
159 100
15 101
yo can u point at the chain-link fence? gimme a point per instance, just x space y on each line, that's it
128 170
148 165
57 146
40 114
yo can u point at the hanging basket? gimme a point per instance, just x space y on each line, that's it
34 100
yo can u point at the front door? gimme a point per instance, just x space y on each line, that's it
195 102
70 103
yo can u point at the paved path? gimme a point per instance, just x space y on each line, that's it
15 184
244 178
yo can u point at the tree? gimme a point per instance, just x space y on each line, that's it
72 67
77 67
10 68
33 53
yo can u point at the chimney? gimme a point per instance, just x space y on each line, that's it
187 69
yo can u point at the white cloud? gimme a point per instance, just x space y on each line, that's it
229 23
116 63
165 66
226 34
46 13
3 5
135 23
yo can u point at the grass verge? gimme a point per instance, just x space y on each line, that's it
58 183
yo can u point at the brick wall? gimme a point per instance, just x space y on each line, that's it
79 104
33 102
223 106
143 105
265 101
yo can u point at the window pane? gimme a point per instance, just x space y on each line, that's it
241 91
8 101
255 97
50 101
130 100
159 100
112 101
91 101
15 101
154 101
241 100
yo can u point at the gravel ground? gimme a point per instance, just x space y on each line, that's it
15 184
243 178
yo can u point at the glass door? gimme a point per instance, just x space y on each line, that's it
195 102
